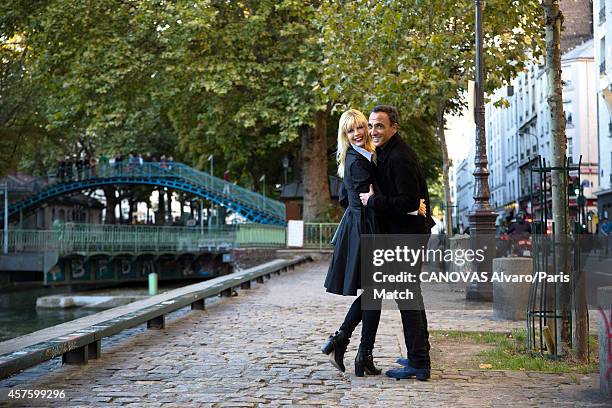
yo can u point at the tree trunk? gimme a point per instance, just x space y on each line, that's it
448 210
314 168
133 206
121 201
554 22
160 218
111 204
169 206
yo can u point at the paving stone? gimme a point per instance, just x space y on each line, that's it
262 348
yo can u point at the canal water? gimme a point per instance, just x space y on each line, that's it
19 315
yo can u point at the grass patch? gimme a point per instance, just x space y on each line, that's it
510 352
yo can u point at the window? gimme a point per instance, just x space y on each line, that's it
602 47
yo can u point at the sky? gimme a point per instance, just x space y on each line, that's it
460 133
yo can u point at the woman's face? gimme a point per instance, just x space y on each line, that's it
357 134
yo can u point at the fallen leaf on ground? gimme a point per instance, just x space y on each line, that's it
485 366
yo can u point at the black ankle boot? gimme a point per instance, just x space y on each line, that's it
335 347
364 363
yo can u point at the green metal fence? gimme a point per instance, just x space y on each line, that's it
30 240
91 238
85 238
319 235
261 235
88 238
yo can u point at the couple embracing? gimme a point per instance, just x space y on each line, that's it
384 192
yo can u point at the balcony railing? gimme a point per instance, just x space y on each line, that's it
602 67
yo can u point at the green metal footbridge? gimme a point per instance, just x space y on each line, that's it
253 206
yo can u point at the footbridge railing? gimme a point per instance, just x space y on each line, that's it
91 238
252 206
87 238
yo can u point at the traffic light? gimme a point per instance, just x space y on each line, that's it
573 186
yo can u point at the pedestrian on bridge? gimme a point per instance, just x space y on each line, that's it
104 164
61 171
355 157
93 162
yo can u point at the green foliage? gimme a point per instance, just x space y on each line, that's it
246 84
436 194
19 117
419 55
236 78
94 65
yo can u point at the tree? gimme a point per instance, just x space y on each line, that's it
95 82
246 86
21 125
553 18
419 55
229 78
97 71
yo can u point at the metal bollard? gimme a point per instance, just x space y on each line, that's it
152 284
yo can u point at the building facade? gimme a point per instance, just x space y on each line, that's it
464 180
602 28
517 135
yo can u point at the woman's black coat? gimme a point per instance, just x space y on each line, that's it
343 276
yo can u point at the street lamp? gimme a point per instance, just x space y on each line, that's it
481 217
211 159
4 185
263 202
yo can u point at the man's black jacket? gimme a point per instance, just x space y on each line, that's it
401 185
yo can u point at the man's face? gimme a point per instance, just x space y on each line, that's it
381 128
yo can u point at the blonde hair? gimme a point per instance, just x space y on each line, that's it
350 119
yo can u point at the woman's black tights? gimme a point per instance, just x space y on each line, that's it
370 320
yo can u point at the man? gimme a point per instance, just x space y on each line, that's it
402 186
519 232
520 227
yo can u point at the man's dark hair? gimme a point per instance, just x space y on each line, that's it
391 112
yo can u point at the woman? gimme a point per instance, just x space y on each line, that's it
356 168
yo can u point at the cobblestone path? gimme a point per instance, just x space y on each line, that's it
262 348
